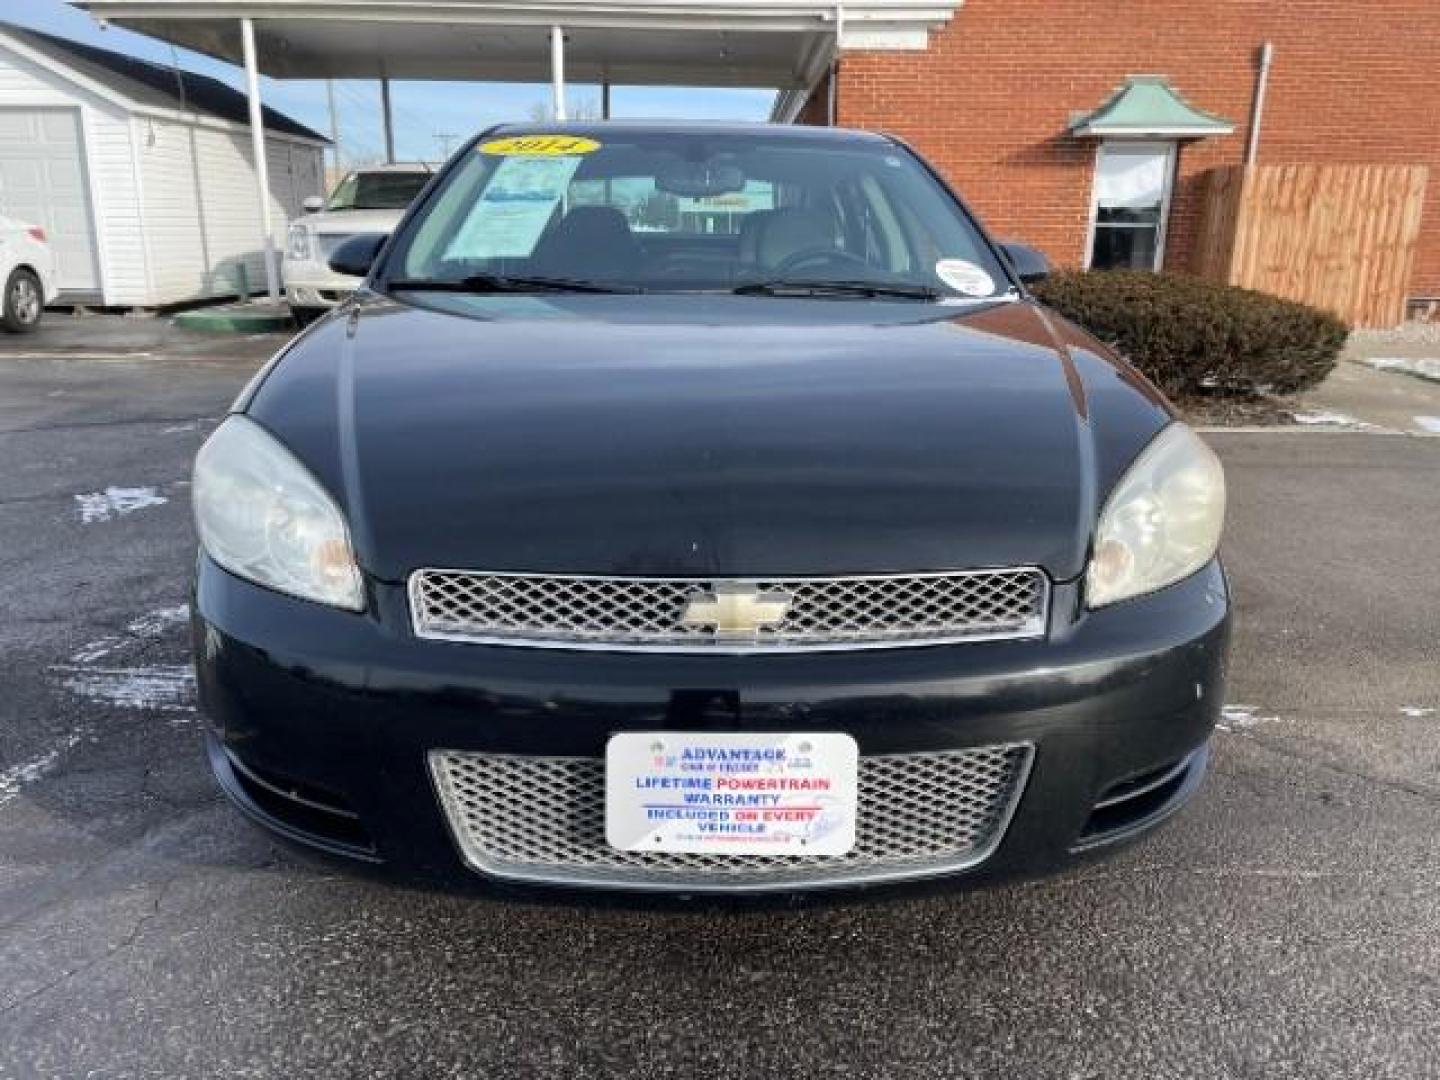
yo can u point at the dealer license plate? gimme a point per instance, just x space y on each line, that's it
731 793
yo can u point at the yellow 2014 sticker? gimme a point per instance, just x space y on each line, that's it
540 146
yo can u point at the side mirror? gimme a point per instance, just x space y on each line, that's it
1029 264
356 255
313 204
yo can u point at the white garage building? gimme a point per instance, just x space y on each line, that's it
142 176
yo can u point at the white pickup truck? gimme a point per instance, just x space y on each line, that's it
367 200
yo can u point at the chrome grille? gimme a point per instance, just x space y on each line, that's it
543 819
870 611
328 242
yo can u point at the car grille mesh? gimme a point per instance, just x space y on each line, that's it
832 612
327 243
543 819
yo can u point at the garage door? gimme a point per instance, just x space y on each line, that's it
42 181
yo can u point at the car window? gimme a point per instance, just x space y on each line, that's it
669 212
377 191
650 210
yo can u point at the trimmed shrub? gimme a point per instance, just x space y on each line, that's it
1190 336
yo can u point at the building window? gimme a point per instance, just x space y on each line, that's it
1131 205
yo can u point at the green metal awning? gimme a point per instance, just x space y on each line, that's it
1147 106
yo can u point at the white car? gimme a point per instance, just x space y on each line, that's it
368 200
27 266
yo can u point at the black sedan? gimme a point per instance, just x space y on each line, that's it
704 508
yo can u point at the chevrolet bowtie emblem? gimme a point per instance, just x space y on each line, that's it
736 609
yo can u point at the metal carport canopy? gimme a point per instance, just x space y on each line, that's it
781 43
787 44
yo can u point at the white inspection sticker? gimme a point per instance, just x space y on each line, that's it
731 793
965 277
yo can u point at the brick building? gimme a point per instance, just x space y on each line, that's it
996 94
1032 107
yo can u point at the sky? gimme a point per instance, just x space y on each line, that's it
431 118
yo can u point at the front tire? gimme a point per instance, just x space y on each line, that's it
24 302
304 316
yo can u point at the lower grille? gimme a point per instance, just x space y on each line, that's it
308 814
1139 801
543 819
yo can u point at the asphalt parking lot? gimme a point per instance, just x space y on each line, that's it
1287 925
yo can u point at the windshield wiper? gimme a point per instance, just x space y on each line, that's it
487 283
782 287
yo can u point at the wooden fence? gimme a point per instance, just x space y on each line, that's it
1340 237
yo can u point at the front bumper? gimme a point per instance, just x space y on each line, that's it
313 285
322 723
49 285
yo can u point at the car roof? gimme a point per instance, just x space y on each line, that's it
681 128
396 167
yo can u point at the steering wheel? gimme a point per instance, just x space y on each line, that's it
819 257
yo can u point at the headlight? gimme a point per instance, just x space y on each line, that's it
1162 522
299 242
261 515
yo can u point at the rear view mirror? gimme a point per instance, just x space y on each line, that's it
1029 264
699 179
313 204
356 255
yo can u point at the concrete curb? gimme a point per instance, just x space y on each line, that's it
237 319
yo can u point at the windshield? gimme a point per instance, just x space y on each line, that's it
377 190
688 211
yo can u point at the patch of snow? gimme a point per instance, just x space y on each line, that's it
1423 367
1429 423
1417 712
1326 418
27 772
1240 717
163 687
115 501
96 650
157 622
150 625
1387 363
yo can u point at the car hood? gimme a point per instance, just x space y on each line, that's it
353 221
708 435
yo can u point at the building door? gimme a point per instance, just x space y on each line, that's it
1131 205
42 182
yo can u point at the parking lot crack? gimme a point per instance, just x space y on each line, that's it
1425 794
126 942
1296 875
82 425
